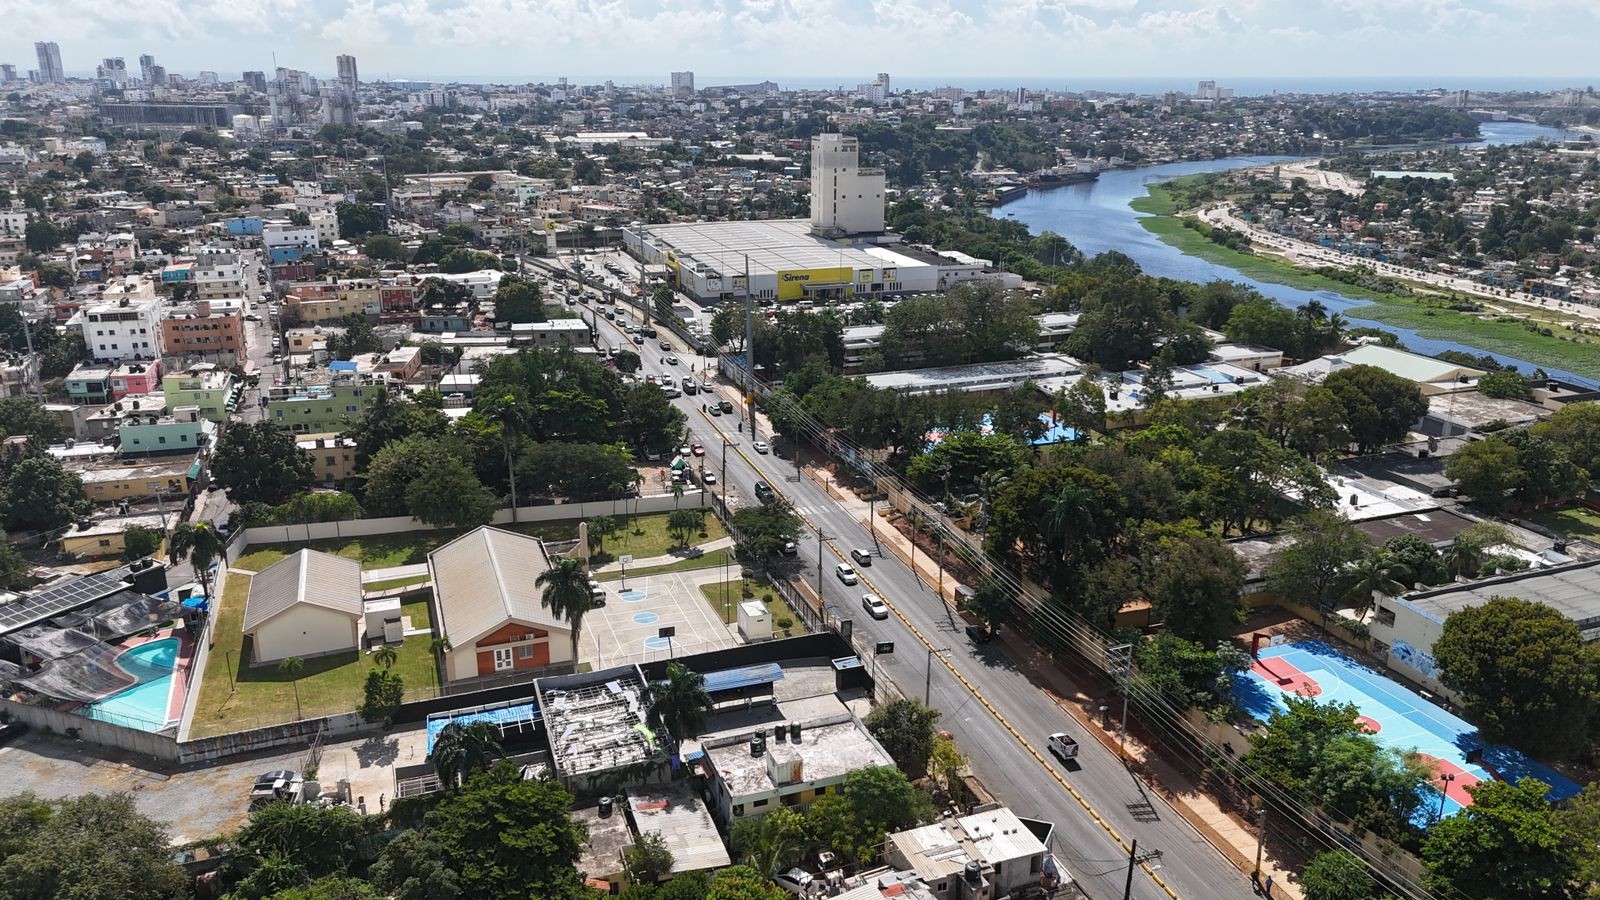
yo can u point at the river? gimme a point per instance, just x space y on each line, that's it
1096 217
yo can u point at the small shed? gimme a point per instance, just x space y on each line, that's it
755 621
308 604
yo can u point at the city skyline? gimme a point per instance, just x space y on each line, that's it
1073 39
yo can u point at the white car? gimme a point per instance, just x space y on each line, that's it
875 606
760 446
683 451
796 881
710 478
672 360
845 573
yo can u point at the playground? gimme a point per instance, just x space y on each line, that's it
1396 716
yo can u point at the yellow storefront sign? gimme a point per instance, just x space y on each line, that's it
792 283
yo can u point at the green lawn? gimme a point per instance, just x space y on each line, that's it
265 695
1563 348
703 561
411 547
391 583
725 596
1577 521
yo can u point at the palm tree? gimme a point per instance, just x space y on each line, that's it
677 492
1064 514
385 656
1371 575
1462 558
460 750
201 544
565 587
1312 311
989 484
511 414
1336 327
439 646
677 705
292 665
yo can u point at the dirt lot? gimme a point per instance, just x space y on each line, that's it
201 802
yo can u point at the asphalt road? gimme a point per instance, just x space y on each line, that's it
1015 766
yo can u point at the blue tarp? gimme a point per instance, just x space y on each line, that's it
342 366
196 603
743 677
511 714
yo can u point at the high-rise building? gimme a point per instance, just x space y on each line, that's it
208 79
347 71
339 104
682 84
146 63
50 70
875 91
845 198
158 75
255 81
8 73
112 70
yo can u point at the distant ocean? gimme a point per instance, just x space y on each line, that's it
1242 86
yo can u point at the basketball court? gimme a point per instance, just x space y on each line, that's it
629 628
1395 715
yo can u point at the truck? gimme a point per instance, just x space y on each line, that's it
1064 746
282 785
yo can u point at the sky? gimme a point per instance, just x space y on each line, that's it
1045 43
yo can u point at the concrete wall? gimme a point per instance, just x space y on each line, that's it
298 734
316 531
158 746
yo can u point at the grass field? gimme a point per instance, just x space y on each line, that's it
703 561
1577 521
725 596
1564 349
265 695
391 583
411 547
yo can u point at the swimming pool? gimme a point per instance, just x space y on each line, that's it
143 706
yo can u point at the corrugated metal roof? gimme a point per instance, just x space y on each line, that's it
309 576
486 577
684 823
1000 836
743 677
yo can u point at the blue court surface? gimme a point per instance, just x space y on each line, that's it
1399 717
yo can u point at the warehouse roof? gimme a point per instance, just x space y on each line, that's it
1573 590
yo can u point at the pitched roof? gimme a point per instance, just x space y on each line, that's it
486 577
309 576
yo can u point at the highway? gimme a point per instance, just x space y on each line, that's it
1092 833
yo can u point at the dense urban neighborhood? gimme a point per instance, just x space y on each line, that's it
424 489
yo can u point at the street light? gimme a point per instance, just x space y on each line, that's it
927 683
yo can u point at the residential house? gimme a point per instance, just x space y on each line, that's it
304 605
487 604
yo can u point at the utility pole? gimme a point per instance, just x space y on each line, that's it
750 358
1120 659
33 363
1135 858
1261 838
819 565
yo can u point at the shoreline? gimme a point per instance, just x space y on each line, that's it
1502 332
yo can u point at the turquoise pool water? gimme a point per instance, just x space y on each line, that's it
143 706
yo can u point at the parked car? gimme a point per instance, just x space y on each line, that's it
796 881
1063 746
845 573
761 447
597 594
979 634
698 449
684 450
862 557
709 478
875 606
790 548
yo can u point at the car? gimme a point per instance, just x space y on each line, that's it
714 409
639 339
684 450
761 447
875 606
652 456
1063 745
709 478
764 490
597 594
698 449
726 406
671 360
979 634
790 548
251 317
706 386
665 345
798 882
672 392
845 573
649 379
862 557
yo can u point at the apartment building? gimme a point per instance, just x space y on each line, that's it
331 301
135 378
147 432
324 407
127 328
217 274
203 331
333 458
213 391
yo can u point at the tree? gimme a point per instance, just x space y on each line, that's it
956 462
991 604
682 524
1337 875
947 764
627 362
22 417
292 666
600 528
677 706
1575 427
321 840
764 529
384 247
201 545
1311 570
1579 819
382 694
389 418
648 420
1524 674
1488 471
1082 407
41 236
564 591
648 861
905 729
576 471
139 541
1371 575
743 883
1548 474
1504 386
448 494
509 836
13 569
91 846
316 506
510 411
460 751
771 843
1508 843
333 887
260 461
1419 559
1315 426
414 867
518 300
1190 674
1195 587
1120 324
358 219
1380 407
42 494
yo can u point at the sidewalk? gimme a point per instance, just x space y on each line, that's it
394 572
1198 808
668 559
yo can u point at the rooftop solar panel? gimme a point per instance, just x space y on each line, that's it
60 599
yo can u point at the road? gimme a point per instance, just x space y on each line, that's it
1309 255
1021 774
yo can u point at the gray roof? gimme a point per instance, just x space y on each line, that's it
485 578
309 576
1573 590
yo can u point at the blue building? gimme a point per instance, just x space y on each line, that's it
240 226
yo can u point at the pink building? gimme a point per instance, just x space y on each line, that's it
136 378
